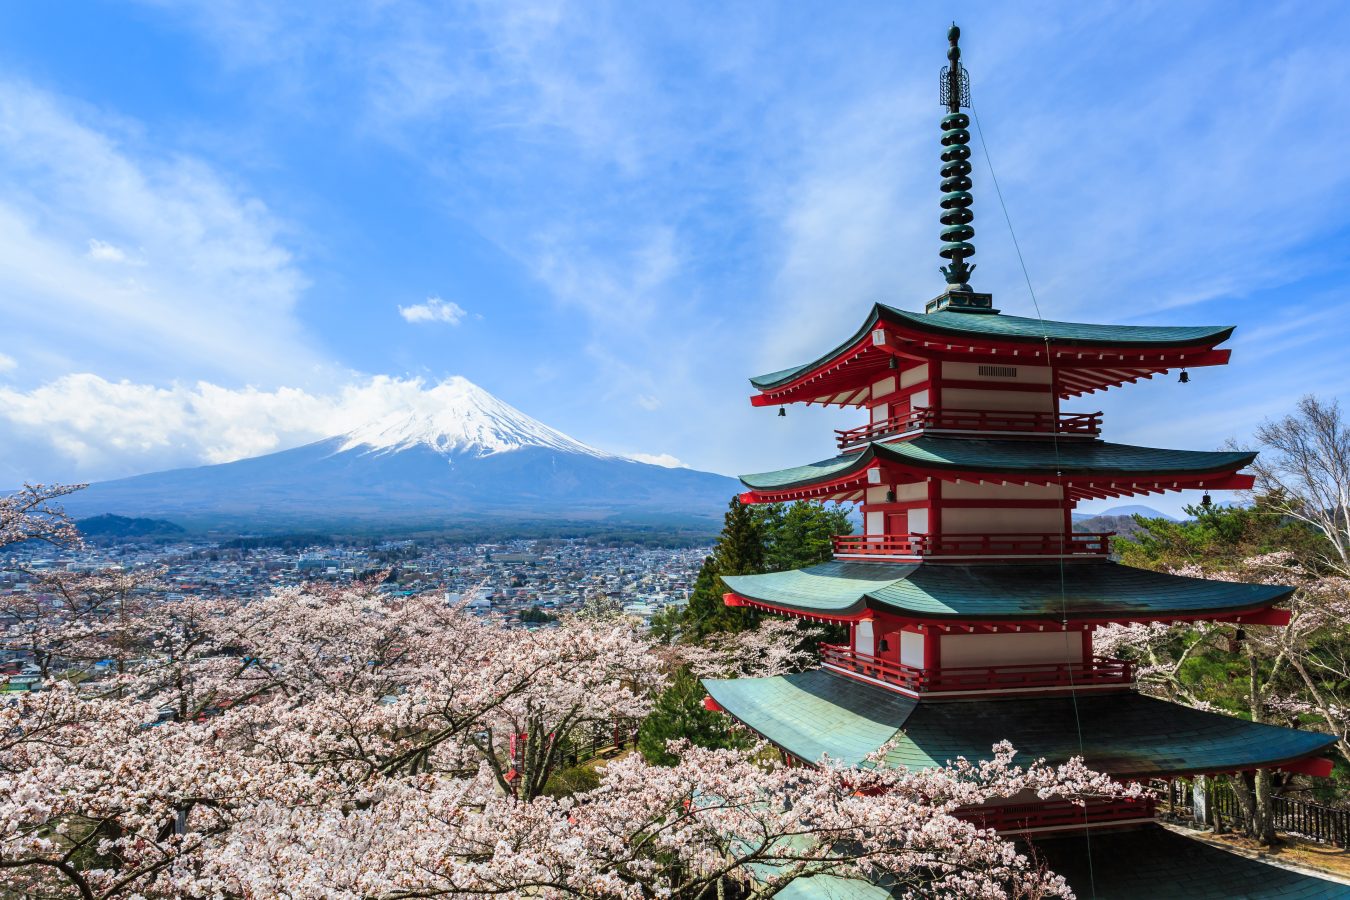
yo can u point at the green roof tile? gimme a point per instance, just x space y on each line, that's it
1158 864
1019 328
832 887
813 714
1083 590
1124 733
816 713
811 473
1150 862
1020 456
1013 328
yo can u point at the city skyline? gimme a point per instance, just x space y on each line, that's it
228 229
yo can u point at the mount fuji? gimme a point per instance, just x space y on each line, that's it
460 456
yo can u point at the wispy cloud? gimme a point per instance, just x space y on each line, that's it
434 310
102 251
216 291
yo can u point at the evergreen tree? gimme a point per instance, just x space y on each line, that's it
800 534
679 713
772 537
1219 537
739 551
740 547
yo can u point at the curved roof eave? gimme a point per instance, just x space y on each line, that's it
1016 329
817 713
1008 456
1092 591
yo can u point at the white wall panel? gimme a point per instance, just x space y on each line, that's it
1011 649
1002 521
911 649
862 638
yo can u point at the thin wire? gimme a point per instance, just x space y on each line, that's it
1059 472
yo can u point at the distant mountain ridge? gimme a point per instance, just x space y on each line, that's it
1117 520
1125 511
461 455
112 526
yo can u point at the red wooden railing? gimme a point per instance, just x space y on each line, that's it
1073 544
1026 676
1016 817
941 419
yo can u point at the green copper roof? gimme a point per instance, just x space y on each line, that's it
1082 590
1013 328
814 714
832 887
1124 733
1019 456
1161 865
1018 328
811 473
1150 862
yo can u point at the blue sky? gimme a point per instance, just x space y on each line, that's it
230 227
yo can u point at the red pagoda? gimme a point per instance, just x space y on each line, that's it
969 599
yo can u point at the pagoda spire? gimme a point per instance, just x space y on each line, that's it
956 199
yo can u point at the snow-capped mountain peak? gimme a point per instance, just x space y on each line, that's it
457 417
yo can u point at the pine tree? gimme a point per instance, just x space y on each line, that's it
800 534
740 548
739 551
679 713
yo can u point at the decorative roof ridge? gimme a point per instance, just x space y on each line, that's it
956 322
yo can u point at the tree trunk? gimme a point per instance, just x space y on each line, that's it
1254 790
1264 825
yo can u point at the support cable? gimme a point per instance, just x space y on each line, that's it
1059 473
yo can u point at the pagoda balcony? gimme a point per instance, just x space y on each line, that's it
975 421
956 681
1060 815
870 546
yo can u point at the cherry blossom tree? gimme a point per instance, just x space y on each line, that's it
333 741
33 514
776 647
76 619
1288 673
717 818
96 804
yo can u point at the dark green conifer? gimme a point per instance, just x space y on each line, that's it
739 551
679 713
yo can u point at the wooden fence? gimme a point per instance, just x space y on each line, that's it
1324 824
601 739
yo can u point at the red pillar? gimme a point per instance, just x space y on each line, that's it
934 510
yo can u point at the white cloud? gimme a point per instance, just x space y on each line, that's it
620 287
659 459
213 290
87 427
8 363
102 251
434 310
